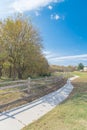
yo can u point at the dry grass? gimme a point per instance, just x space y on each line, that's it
71 114
9 100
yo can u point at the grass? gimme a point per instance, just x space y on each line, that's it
81 74
71 114
4 79
64 74
6 96
13 97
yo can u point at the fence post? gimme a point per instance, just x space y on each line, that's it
29 80
46 78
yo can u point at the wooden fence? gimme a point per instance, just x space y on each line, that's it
15 93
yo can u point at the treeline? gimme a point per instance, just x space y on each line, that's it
21 49
54 68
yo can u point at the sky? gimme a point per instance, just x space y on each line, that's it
62 25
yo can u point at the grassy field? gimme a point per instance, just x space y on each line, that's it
71 114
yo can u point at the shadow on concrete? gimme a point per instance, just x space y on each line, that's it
52 99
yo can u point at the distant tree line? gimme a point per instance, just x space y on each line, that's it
80 66
21 49
54 68
69 68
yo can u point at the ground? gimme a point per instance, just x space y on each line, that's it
71 114
13 97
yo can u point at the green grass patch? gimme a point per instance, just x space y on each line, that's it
71 114
81 74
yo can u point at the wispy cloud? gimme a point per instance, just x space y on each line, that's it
55 16
37 13
50 55
55 58
50 7
75 57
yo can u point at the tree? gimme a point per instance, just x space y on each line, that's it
3 58
80 66
23 46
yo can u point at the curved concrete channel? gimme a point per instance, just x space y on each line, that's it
19 117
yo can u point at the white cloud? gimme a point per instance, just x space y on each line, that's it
75 57
22 5
7 7
37 13
55 16
54 58
50 55
46 52
50 7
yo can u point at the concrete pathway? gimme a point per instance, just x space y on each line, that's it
19 117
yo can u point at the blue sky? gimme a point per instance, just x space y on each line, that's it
61 23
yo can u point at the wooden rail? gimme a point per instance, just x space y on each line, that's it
31 88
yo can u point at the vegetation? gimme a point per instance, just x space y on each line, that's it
57 68
71 114
12 97
63 74
21 49
80 66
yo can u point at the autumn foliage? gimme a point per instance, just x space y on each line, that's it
21 49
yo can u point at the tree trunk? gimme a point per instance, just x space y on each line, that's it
14 72
10 72
19 74
1 71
